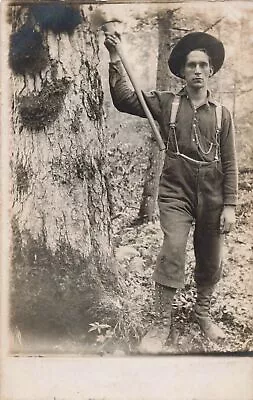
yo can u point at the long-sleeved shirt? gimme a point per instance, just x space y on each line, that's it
190 121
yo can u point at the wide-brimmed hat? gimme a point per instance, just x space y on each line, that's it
194 41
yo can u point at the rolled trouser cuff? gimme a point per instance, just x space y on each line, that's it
165 281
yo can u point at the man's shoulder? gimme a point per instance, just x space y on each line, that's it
215 102
226 113
163 93
219 104
164 96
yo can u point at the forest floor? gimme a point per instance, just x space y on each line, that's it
136 249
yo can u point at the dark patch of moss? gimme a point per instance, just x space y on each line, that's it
75 124
67 170
22 179
62 170
86 169
39 111
61 291
81 167
93 100
57 17
27 53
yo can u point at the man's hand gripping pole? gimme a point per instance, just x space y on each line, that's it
109 27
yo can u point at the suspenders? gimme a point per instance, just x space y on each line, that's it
174 109
218 111
173 116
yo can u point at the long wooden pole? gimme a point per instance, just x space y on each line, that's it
109 27
141 98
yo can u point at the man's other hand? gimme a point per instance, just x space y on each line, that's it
227 219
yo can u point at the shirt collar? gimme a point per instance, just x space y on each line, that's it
209 99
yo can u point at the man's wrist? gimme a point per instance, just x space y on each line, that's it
114 57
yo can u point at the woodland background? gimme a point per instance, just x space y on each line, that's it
84 221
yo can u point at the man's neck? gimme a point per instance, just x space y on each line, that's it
198 95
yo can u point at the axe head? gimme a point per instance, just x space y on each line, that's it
110 26
99 21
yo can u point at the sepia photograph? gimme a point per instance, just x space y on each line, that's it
126 191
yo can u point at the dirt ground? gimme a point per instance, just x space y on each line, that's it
136 249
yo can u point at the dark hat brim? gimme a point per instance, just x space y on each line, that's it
194 41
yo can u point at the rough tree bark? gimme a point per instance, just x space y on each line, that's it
63 274
148 209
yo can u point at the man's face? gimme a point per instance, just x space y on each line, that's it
197 69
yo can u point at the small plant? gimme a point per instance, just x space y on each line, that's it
96 326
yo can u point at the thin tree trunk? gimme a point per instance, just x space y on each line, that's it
148 208
63 274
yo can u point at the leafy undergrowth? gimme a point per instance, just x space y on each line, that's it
136 251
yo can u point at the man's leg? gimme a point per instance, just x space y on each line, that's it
169 272
175 224
208 246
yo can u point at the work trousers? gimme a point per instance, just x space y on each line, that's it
190 192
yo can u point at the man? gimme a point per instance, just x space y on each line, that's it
199 178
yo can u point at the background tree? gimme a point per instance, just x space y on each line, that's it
147 210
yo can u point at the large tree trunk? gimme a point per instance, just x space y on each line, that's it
63 274
148 207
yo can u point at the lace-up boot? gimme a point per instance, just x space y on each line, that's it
202 308
155 339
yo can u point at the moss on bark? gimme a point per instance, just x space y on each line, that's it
61 291
39 111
